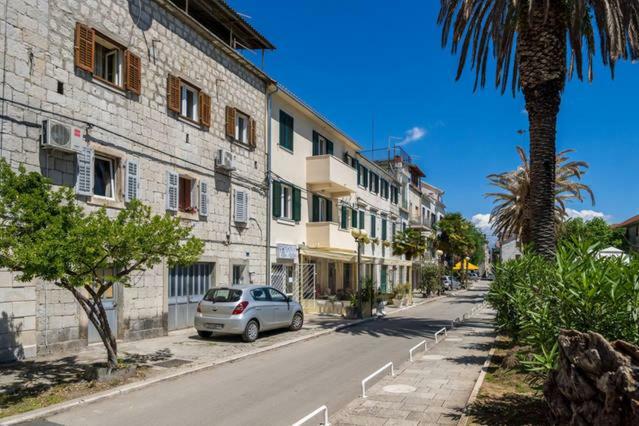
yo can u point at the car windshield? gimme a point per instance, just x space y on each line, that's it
222 295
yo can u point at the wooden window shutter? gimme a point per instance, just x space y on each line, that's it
132 181
204 199
329 211
84 182
230 122
205 109
344 217
252 133
315 143
84 47
353 218
297 204
172 191
133 78
316 206
173 93
329 147
277 199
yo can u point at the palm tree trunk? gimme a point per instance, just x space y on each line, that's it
541 52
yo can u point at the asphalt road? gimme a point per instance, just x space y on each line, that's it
281 386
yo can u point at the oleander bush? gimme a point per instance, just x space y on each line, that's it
535 298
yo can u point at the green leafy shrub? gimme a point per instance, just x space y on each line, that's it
535 299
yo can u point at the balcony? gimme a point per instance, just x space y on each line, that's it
419 223
328 235
325 173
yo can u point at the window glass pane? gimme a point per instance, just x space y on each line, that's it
259 294
276 296
103 177
223 295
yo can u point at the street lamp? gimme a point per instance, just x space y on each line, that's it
360 235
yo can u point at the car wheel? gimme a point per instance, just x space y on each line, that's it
298 322
204 334
251 331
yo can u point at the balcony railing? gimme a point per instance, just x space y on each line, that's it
329 174
328 235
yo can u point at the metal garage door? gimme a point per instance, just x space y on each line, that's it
187 285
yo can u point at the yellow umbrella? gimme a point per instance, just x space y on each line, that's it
468 266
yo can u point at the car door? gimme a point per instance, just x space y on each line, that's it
263 308
282 314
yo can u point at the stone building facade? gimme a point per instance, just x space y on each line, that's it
150 92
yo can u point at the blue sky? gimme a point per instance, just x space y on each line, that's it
354 60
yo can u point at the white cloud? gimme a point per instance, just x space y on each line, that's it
586 214
482 221
414 134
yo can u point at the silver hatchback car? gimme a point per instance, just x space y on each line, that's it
246 310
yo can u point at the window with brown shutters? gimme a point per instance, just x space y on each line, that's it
84 47
133 79
107 60
173 93
230 122
205 109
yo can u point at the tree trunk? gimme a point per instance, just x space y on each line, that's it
541 52
98 317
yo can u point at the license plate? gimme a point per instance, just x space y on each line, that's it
213 325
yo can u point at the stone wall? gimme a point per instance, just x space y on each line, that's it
39 61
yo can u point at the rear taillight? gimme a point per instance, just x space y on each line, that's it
240 308
199 308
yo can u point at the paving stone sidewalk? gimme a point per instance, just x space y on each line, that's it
432 390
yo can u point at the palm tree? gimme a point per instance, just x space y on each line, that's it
530 41
410 243
510 216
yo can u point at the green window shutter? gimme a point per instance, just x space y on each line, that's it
286 130
359 174
365 177
362 218
297 204
373 227
329 147
344 219
329 211
353 218
384 232
394 229
315 143
315 215
277 199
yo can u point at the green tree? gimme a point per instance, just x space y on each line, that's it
410 243
456 236
511 215
595 231
530 41
45 234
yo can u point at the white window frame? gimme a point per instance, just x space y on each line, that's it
241 132
112 171
101 71
184 104
286 202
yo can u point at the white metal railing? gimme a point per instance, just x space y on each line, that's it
313 414
410 352
443 330
390 364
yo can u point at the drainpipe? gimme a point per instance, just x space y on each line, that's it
269 181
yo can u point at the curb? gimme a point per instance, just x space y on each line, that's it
463 421
67 405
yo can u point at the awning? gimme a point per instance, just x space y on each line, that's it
329 254
467 266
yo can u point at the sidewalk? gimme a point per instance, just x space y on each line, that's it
62 377
435 388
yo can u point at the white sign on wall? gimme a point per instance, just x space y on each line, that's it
287 251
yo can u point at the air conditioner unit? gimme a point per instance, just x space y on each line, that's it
224 160
63 137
